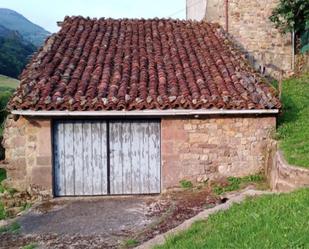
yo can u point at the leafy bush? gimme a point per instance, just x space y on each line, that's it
5 94
293 15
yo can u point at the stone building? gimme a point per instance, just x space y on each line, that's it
250 28
135 106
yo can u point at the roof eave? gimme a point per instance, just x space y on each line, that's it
157 113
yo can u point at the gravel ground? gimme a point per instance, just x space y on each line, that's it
106 222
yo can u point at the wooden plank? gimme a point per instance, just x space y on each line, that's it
96 160
126 158
135 158
68 158
57 165
103 158
144 154
78 157
154 158
87 159
61 136
115 158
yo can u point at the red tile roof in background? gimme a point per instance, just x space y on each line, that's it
133 64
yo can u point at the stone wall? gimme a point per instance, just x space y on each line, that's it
191 148
252 31
198 149
281 176
28 154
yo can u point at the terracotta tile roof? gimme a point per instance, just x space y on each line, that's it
132 64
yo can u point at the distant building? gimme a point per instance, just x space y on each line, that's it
250 27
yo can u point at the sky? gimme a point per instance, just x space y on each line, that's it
47 12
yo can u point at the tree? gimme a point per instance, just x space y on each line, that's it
293 16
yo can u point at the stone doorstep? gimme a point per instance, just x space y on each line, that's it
235 197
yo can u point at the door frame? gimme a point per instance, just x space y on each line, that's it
107 120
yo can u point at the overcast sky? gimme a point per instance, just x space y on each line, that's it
47 12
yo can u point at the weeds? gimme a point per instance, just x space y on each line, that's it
186 184
129 243
13 228
235 183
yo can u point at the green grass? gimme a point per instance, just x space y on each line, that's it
271 221
30 246
185 184
7 82
235 183
293 124
7 86
129 243
2 210
13 228
3 214
2 175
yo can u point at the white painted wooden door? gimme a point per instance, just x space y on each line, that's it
90 161
80 158
134 157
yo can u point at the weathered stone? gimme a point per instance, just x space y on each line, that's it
202 178
193 149
225 151
42 176
28 145
282 176
251 29
43 160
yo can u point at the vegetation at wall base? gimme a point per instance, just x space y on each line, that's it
293 123
236 183
185 184
30 246
2 210
130 243
12 228
272 221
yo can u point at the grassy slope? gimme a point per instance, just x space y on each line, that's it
2 177
293 125
267 222
7 86
7 82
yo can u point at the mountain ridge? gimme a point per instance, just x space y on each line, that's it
30 31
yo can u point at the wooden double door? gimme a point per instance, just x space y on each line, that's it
95 157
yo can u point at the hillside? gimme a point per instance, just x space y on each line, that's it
15 52
31 32
7 83
7 87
